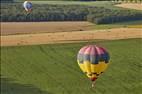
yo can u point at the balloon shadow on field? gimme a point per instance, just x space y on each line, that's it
8 86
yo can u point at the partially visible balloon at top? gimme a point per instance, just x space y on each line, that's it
27 6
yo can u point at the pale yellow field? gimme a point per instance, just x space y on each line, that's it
68 37
137 6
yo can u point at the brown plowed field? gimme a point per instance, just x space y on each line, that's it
11 28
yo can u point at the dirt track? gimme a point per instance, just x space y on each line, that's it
131 6
67 37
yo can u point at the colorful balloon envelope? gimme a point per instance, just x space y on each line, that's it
28 6
93 60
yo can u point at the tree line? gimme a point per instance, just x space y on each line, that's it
13 12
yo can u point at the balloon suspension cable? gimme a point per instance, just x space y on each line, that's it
93 84
93 81
27 12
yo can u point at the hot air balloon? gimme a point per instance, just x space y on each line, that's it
27 6
93 61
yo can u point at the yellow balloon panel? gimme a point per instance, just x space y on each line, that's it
98 68
93 70
81 65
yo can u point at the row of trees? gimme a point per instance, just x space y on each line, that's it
115 17
99 15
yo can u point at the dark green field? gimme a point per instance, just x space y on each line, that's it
52 69
97 12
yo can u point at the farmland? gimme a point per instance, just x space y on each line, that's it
52 69
69 37
44 27
96 12
12 28
132 6
38 55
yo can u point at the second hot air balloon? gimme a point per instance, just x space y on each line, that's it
27 6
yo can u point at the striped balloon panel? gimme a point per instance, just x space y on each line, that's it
93 54
29 5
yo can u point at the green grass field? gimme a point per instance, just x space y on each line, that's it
69 2
106 4
52 69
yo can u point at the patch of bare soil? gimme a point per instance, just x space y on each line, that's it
12 28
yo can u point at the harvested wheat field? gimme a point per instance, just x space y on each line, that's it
10 28
67 37
137 6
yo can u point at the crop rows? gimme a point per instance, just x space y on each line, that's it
14 12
